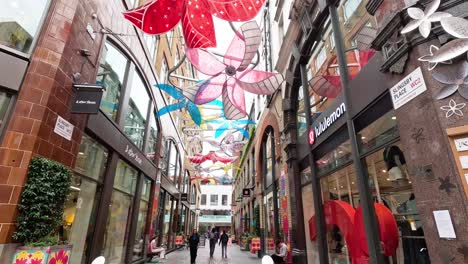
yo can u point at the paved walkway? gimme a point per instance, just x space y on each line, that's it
234 256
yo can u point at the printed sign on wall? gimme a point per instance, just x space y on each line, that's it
407 89
63 128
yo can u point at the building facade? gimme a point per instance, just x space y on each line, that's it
215 208
128 171
372 167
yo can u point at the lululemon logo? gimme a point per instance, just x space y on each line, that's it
311 137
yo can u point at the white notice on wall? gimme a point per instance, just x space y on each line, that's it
461 144
63 128
466 178
464 162
407 89
444 224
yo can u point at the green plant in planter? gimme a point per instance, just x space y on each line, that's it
42 202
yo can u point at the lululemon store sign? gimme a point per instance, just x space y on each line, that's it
326 123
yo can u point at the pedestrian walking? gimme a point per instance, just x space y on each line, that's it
224 242
193 242
213 240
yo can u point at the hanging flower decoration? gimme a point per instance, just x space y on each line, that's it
182 103
455 78
211 156
232 77
160 16
225 125
453 108
423 19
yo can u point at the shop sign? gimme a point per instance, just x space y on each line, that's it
63 128
184 197
132 154
444 224
329 120
87 98
246 192
407 89
461 144
311 137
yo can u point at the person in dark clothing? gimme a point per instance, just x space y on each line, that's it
282 251
193 243
213 240
223 241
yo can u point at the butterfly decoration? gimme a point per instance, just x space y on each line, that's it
225 125
160 16
183 102
230 78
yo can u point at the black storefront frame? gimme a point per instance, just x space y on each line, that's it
103 128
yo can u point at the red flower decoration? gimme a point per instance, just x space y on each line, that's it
199 158
160 16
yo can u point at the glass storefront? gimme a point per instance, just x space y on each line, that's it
111 74
137 112
20 23
152 138
80 208
120 210
389 183
141 239
5 101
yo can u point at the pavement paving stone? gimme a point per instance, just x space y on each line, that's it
234 256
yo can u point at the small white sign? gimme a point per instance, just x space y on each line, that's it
464 162
466 178
461 144
63 128
444 224
407 89
90 31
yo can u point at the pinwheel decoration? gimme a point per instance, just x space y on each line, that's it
183 102
233 76
160 16
211 156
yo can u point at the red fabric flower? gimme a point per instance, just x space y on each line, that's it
160 16
199 158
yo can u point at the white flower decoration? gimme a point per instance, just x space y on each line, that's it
424 19
453 108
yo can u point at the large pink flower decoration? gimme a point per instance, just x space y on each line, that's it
232 76
160 16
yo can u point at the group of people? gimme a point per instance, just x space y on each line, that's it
214 238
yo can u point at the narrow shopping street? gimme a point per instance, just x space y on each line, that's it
235 255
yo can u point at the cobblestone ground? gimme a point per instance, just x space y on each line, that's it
234 256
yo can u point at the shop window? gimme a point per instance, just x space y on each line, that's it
20 23
137 113
269 147
81 206
5 102
152 138
321 58
120 210
214 199
224 200
203 199
174 164
334 159
141 240
167 219
380 132
111 74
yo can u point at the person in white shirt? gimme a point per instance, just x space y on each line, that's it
282 250
155 250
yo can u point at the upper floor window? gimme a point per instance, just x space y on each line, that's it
349 7
152 138
5 102
174 164
268 160
20 21
111 74
214 199
203 199
321 58
137 113
224 200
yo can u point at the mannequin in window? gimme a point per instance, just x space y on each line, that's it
396 165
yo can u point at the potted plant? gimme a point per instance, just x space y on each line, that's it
40 214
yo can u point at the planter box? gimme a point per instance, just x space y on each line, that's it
42 255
